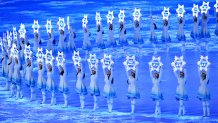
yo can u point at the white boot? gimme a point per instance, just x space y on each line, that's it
204 108
12 90
65 100
183 110
82 101
180 111
208 109
53 99
18 92
43 97
95 103
33 94
132 106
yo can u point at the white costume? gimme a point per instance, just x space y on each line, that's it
50 41
37 40
86 40
204 29
165 34
195 33
50 85
72 36
180 32
137 36
61 42
99 37
41 82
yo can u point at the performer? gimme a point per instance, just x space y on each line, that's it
181 94
72 37
203 92
10 63
5 66
41 82
132 89
30 81
216 30
156 93
204 29
93 88
16 75
50 84
37 41
86 34
109 91
153 27
180 33
51 41
80 86
62 39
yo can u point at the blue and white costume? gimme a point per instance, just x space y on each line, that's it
180 33
204 94
111 35
37 40
50 84
80 86
137 36
181 94
204 29
195 33
99 37
17 77
50 41
30 81
216 30
41 82
122 34
86 40
10 74
72 36
165 34
61 42
109 91
156 94
132 89
63 88
153 27
93 87
4 62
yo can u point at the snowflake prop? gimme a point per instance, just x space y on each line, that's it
155 64
216 6
49 57
40 55
178 63
130 63
107 61
27 52
14 51
60 59
61 24
205 7
98 18
121 16
166 13
203 63
180 10
22 31
14 33
195 10
110 17
48 26
93 61
35 26
85 21
137 14
1 43
76 58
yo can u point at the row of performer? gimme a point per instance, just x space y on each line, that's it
62 27
15 67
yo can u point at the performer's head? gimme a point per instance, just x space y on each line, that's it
136 23
109 72
40 66
37 35
93 71
99 27
156 75
182 74
62 32
180 20
133 72
165 22
16 60
79 69
204 16
203 75
49 67
195 19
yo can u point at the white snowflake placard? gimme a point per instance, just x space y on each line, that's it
49 57
93 61
195 10
216 6
14 33
130 63
85 21
35 26
40 55
98 18
60 59
22 31
155 64
178 63
166 13
61 24
137 14
48 26
110 17
121 16
180 10
203 63
27 52
76 58
205 7
107 62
